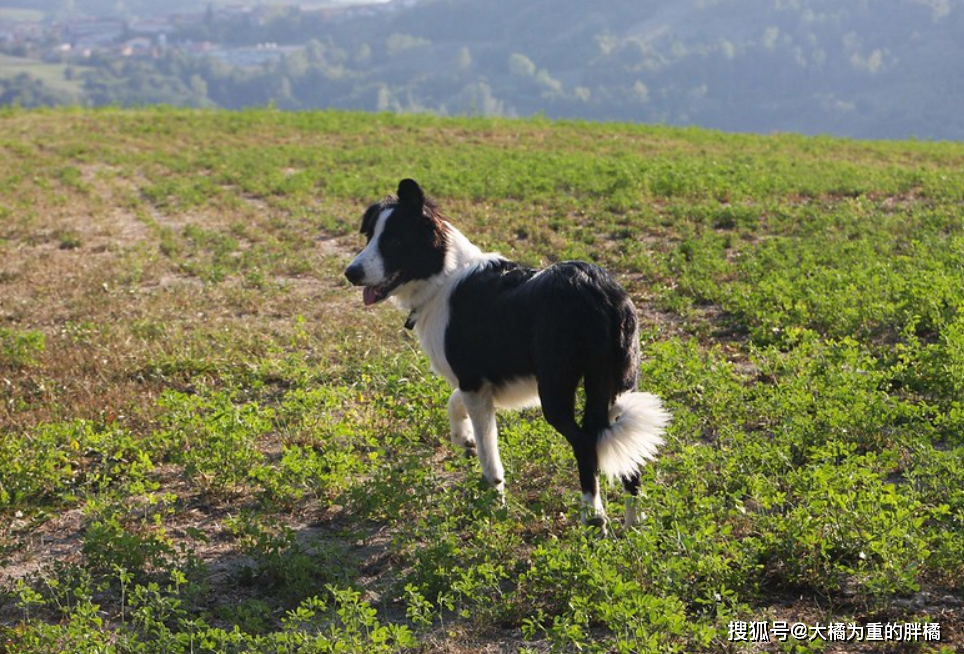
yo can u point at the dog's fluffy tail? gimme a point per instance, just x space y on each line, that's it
637 422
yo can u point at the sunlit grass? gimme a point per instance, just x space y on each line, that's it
207 439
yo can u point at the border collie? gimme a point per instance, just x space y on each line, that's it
507 336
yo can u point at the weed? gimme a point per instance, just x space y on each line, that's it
21 348
215 438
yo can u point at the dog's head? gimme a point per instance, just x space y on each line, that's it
406 243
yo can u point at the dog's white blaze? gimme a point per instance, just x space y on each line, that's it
370 259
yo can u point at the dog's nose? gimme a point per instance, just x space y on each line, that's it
354 273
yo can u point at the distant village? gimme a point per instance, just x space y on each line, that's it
83 37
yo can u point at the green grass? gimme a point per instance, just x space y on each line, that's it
209 445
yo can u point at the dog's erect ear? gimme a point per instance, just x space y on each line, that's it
410 193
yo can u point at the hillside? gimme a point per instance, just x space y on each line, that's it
870 70
207 443
887 69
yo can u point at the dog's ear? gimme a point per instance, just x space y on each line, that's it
410 193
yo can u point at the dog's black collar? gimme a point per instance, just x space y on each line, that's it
410 321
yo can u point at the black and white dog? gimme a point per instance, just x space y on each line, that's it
507 336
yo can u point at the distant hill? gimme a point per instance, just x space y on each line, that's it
882 69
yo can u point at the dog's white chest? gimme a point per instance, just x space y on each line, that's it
430 326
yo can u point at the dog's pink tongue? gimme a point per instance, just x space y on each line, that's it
369 296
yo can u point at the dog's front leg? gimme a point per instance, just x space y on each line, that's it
462 433
481 411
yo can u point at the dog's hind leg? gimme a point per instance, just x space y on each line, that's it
594 514
480 407
632 515
462 434
558 406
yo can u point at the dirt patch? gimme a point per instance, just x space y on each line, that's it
56 539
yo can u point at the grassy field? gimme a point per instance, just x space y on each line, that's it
209 445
